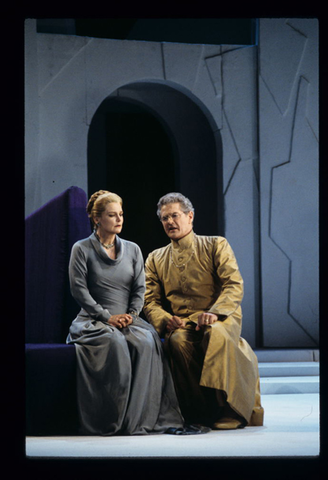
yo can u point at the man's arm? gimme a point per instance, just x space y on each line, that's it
231 293
153 307
232 285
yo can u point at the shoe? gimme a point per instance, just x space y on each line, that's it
188 430
227 423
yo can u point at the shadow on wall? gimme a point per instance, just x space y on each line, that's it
150 140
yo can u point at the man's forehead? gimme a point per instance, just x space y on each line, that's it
171 207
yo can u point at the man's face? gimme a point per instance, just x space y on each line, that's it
176 223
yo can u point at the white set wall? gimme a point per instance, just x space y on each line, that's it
67 78
288 142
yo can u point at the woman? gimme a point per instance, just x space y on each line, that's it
124 384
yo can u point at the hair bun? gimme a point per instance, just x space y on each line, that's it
93 198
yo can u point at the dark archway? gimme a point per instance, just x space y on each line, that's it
146 140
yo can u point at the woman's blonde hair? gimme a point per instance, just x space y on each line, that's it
98 201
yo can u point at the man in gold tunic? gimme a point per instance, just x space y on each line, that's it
193 294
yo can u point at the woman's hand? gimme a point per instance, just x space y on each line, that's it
205 319
120 321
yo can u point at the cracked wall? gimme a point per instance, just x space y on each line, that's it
288 134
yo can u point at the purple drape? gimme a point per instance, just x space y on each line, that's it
50 233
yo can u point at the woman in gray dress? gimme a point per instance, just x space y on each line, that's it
123 381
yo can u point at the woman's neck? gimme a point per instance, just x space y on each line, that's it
106 239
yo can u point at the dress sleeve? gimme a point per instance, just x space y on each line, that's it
232 285
138 286
154 311
78 274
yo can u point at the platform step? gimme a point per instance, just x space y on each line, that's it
289 369
289 385
287 355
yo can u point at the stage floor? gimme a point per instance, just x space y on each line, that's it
291 429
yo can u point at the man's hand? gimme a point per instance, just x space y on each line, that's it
174 323
205 319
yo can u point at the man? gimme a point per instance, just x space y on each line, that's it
193 296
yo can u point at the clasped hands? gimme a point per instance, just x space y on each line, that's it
120 321
204 319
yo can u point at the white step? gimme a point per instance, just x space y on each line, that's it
289 385
288 369
287 355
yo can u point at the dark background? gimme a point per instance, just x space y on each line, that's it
216 31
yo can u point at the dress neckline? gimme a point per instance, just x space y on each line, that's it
102 253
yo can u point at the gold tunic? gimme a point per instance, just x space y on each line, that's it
200 274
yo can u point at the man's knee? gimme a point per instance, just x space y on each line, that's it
177 338
181 341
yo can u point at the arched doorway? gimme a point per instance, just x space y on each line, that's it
148 139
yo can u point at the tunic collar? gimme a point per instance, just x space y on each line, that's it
185 242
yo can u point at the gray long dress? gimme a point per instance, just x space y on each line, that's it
123 380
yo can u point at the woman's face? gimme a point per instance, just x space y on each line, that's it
111 220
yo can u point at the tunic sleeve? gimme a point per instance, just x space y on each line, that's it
230 278
153 308
79 288
138 286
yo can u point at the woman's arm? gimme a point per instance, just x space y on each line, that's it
138 286
78 274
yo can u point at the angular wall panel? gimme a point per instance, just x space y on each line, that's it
289 182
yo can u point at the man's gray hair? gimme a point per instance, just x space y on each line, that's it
175 197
